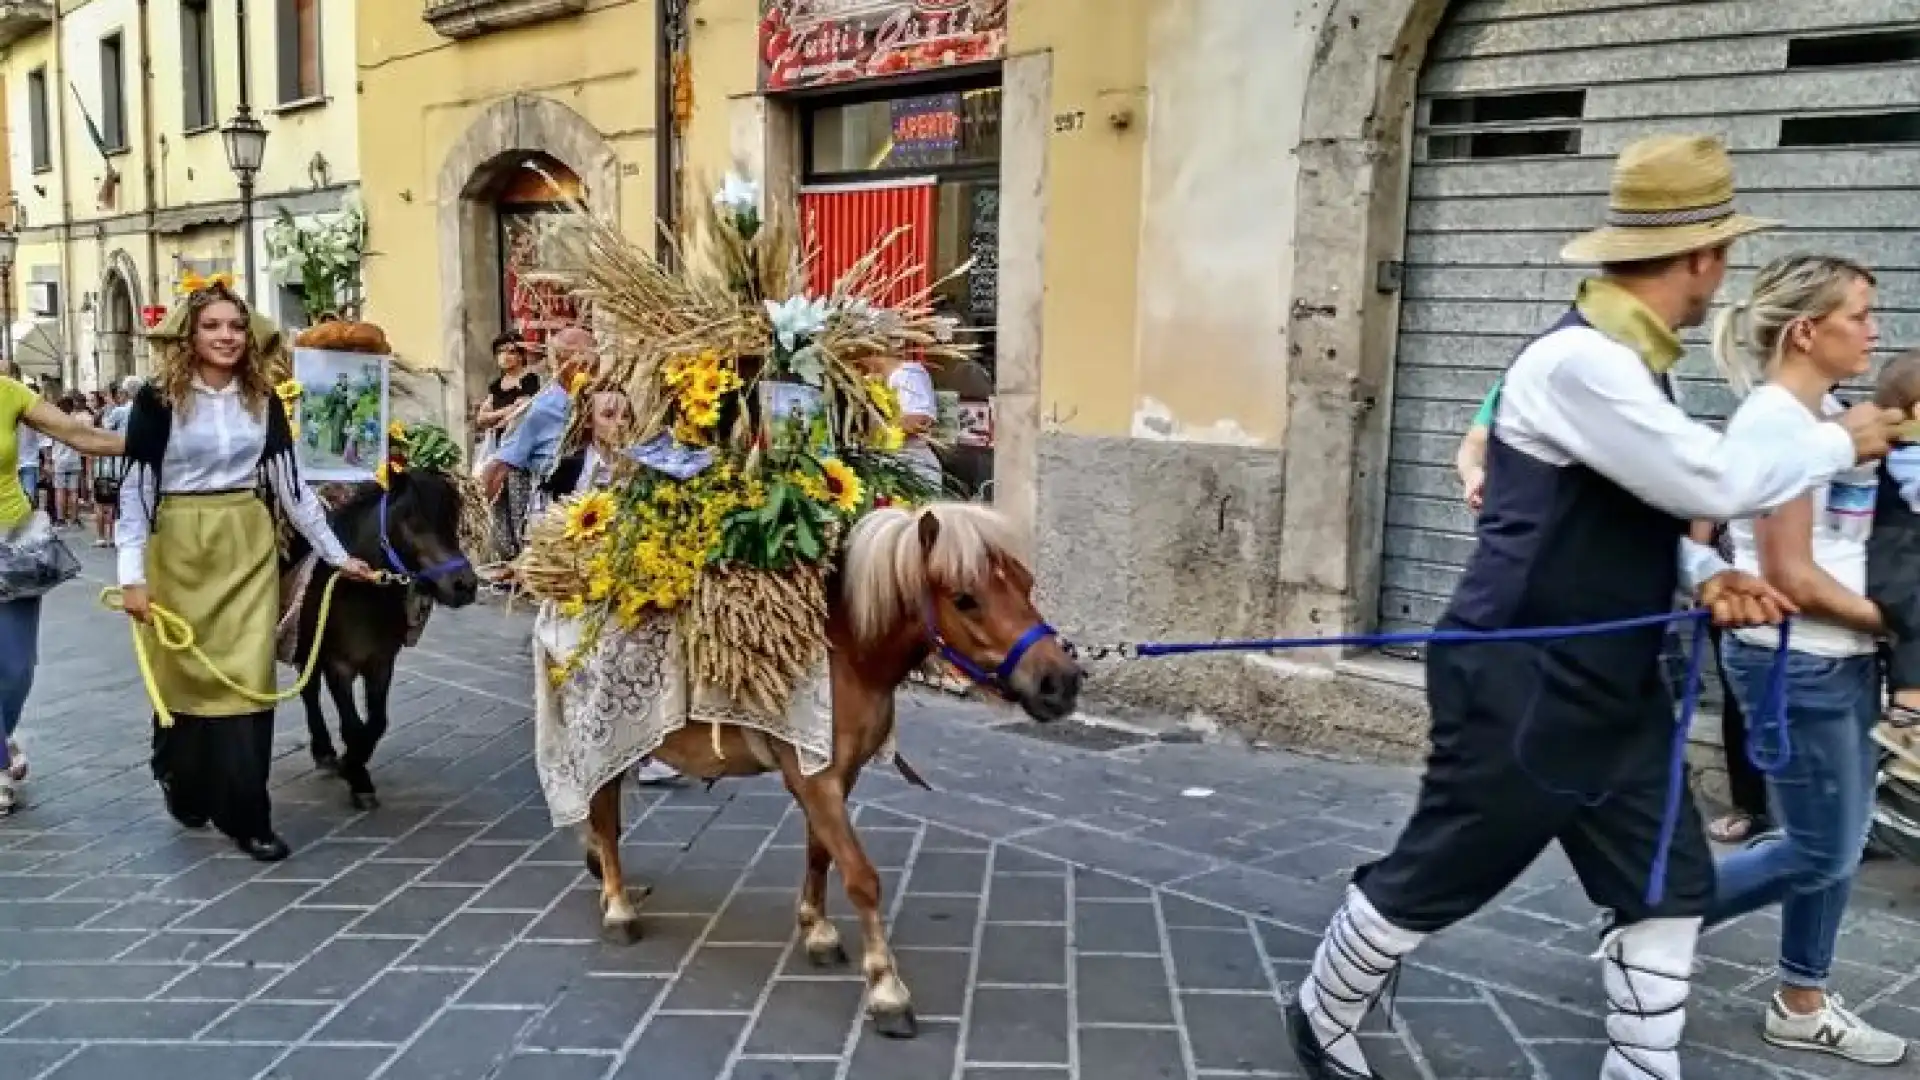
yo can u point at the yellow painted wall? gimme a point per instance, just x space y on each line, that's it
420 92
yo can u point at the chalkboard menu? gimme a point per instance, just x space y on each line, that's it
983 247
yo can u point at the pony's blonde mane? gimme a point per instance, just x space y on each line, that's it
887 573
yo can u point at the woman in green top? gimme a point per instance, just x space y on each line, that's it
1471 461
20 619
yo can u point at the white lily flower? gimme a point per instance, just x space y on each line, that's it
738 195
795 318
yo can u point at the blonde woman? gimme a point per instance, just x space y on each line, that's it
209 451
1808 325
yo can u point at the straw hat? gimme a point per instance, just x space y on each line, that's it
1671 194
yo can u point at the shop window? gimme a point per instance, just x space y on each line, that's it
923 131
1849 50
1504 125
1860 129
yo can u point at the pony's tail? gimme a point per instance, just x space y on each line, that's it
1735 361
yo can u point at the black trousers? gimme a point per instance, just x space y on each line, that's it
1529 749
214 768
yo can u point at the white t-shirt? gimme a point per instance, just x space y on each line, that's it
1842 519
914 387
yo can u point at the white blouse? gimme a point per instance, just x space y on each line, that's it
215 446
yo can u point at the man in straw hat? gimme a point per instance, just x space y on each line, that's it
1593 474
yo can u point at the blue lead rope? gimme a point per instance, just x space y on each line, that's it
1768 745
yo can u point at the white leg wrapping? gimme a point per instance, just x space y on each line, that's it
1648 971
1355 960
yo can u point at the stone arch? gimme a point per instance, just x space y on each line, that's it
120 336
1351 206
496 141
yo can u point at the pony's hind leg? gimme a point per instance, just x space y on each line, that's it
319 739
619 923
817 932
352 732
824 798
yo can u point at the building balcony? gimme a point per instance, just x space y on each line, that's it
24 18
461 19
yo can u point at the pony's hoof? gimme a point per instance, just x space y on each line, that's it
593 864
326 761
620 932
897 1025
832 956
365 800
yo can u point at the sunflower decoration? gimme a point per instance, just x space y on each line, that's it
289 392
192 282
759 437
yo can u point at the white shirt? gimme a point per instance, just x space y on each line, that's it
215 446
1842 519
594 472
914 388
30 443
1577 395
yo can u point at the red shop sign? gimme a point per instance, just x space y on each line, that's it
821 42
151 316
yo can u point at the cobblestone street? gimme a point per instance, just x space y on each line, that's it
1072 903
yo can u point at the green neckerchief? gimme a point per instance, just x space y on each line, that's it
1621 316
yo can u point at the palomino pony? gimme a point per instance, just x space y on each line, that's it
939 579
412 531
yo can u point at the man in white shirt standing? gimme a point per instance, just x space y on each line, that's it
1593 474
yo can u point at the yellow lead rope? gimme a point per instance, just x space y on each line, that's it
175 634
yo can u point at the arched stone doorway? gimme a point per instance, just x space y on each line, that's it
530 195
117 328
488 162
1351 207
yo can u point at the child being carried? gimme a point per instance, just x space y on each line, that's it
1893 568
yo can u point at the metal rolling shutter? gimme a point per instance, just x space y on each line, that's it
1523 105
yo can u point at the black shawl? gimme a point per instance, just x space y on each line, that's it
150 428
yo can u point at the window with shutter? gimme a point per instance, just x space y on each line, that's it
196 65
297 37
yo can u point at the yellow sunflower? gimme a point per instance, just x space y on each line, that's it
289 391
843 485
397 432
588 516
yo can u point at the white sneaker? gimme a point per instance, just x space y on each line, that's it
16 761
651 771
9 796
1833 1030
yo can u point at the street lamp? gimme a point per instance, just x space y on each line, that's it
9 247
246 142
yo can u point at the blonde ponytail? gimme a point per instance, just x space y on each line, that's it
1735 364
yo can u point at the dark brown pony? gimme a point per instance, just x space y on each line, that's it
943 578
412 531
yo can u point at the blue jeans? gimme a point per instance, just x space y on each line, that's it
19 653
1822 800
30 483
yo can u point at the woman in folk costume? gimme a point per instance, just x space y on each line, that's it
209 451
1593 475
587 458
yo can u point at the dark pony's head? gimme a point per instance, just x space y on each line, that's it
411 527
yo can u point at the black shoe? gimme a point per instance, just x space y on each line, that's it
271 849
178 809
1313 1058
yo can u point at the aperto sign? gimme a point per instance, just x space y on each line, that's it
928 124
822 42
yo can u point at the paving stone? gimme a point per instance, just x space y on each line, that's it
475 864
802 1018
1123 990
415 910
158 1062
698 1047
775 1069
527 888
392 1007
364 886
937 978
86 1020
932 1053
1023 955
460 1044
288 937
268 1022
1235 1032
960 873
339 969
468 940
327 1063
1027 899
52 982
1103 926
530 973
1131 1054
595 1014
1026 1027
935 921
724 978
246 907
533 1065
756 917
221 982
31 1059
1217 960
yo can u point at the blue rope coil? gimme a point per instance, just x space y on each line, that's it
1769 747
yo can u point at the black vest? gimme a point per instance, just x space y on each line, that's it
1560 545
1893 560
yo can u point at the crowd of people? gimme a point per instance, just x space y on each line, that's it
69 484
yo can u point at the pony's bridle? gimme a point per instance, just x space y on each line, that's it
399 565
1000 679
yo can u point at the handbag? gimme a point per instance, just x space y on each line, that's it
34 560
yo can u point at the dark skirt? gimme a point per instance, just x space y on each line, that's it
214 769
